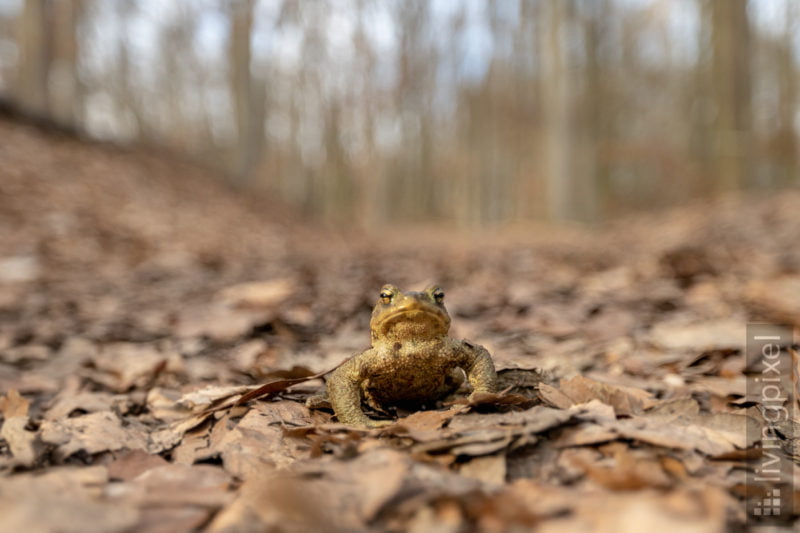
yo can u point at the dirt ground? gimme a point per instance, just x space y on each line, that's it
140 300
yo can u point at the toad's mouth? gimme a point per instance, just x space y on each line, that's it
415 314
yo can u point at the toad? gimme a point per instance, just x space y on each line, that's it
412 359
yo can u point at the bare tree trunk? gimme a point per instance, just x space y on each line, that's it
248 101
596 193
367 171
338 200
412 188
64 90
556 101
34 60
788 87
731 69
700 101
123 87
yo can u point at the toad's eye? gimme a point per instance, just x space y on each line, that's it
386 296
438 295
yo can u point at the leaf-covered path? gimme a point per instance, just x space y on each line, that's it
137 296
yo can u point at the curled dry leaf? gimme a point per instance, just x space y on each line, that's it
211 397
185 412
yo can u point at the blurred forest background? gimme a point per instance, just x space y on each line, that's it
375 112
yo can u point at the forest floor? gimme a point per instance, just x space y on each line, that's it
140 299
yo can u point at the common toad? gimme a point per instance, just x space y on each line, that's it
412 359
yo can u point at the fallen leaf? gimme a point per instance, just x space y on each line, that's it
194 444
475 434
675 408
244 357
711 434
14 405
130 463
692 509
258 294
20 268
187 411
780 298
258 440
63 499
626 471
497 399
158 519
332 495
720 386
490 469
273 387
26 353
554 397
211 397
699 336
175 485
93 433
525 503
21 442
422 424
626 401
69 401
273 500
219 322
121 366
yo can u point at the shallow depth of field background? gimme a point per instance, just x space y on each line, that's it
468 113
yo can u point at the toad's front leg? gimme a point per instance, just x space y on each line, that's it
344 392
479 368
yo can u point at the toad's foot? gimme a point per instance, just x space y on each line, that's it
318 401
